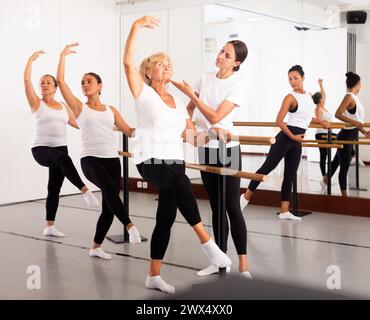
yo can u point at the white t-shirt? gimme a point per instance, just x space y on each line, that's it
50 126
359 115
97 135
302 117
213 91
326 116
159 129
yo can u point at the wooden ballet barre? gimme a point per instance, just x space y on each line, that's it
249 143
333 125
322 145
125 154
340 142
210 169
254 139
228 172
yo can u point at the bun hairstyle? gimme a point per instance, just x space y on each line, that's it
241 52
316 98
352 79
297 68
96 76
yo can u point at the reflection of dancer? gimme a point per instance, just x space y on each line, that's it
351 111
159 153
99 159
301 109
214 104
49 147
323 114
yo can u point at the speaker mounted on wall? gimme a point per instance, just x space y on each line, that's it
356 17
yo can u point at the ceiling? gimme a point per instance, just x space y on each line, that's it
343 4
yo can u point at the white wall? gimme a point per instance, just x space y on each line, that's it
27 26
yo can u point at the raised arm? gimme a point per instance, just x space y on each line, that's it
134 79
121 124
213 116
322 90
73 103
32 97
71 118
288 103
348 103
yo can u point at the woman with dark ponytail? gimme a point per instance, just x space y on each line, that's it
350 111
215 101
301 109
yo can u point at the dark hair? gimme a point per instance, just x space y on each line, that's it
317 97
297 68
352 79
54 80
96 76
241 52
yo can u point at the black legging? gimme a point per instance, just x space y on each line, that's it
291 152
210 156
343 156
60 165
175 191
323 152
105 173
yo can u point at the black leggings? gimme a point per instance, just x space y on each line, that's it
323 152
291 152
343 156
209 156
105 173
175 191
60 165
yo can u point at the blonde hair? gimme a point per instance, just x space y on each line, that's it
147 64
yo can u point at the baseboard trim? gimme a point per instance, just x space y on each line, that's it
308 202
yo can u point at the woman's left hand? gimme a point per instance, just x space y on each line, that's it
325 124
185 87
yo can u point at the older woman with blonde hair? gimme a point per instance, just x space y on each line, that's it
158 153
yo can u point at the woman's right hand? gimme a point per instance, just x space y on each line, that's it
147 22
298 138
35 55
68 49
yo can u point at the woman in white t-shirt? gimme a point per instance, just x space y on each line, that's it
99 159
158 153
214 103
323 114
49 146
299 106
352 111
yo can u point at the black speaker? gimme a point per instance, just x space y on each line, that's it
356 17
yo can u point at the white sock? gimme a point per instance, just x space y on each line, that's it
243 202
100 253
211 269
90 199
156 282
289 216
134 235
246 274
215 255
52 231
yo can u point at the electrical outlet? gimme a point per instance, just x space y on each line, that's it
139 184
145 185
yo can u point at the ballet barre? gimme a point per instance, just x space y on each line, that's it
216 170
333 125
340 141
